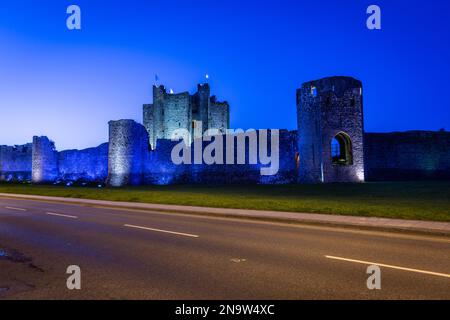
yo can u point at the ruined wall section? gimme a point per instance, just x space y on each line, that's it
44 160
412 155
161 170
15 163
128 153
326 108
88 165
289 165
234 173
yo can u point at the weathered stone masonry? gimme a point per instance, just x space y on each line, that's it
44 160
328 109
329 146
128 152
170 112
89 165
15 162
413 155
40 162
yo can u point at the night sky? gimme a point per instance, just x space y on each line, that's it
69 84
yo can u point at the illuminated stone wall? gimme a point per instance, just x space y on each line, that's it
128 153
161 170
15 163
219 115
413 155
141 154
326 108
44 160
89 165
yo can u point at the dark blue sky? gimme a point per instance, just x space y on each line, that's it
68 84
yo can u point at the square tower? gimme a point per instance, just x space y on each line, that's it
331 131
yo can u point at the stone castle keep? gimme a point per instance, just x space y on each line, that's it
196 113
329 145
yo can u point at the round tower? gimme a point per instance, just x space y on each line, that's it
128 149
44 160
331 130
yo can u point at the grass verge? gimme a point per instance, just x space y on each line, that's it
401 200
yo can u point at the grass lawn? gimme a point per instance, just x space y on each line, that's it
404 200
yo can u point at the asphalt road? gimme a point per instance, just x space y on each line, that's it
131 254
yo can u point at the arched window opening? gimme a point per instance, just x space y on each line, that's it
297 160
341 150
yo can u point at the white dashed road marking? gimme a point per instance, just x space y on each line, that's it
16 209
163 231
61 215
390 266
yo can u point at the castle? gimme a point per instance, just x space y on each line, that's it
329 145
196 113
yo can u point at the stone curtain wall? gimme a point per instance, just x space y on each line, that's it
326 108
89 165
70 166
141 154
131 162
15 163
160 169
288 160
414 155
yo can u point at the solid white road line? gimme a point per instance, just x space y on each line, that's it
16 209
61 215
390 266
163 231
